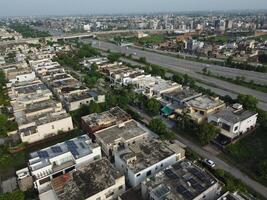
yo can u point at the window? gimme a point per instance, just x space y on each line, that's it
235 128
148 173
98 198
69 169
121 187
53 127
161 165
109 195
226 127
138 175
57 174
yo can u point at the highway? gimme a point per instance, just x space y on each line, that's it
77 35
184 67
257 77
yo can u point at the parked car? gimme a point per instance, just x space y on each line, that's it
209 163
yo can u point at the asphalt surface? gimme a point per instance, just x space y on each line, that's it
220 164
175 65
257 77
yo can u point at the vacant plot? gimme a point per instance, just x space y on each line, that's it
250 155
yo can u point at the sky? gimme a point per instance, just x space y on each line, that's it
72 7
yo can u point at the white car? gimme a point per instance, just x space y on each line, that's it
209 163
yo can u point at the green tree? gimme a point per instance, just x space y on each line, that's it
262 168
248 101
205 70
143 60
184 121
16 195
229 60
87 51
3 124
94 67
158 126
153 106
114 57
207 132
94 107
178 78
262 58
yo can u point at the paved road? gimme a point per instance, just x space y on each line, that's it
222 92
174 64
261 189
184 65
257 77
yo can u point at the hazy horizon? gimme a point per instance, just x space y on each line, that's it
88 7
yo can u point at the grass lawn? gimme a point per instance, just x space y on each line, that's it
152 39
247 153
262 37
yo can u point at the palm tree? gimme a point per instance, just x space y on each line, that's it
184 120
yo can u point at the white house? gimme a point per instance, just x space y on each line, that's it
20 75
234 121
143 159
49 163
37 128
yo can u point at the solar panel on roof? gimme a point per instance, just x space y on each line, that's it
177 166
192 181
74 152
56 149
42 154
71 144
82 145
170 174
198 187
180 189
188 195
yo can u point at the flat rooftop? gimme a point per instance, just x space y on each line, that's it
232 115
78 147
41 105
205 102
41 119
181 181
16 72
126 131
81 96
88 181
156 83
145 153
183 94
31 88
69 82
110 117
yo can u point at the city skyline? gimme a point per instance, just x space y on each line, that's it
81 7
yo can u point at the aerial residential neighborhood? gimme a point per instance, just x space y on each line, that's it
124 101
